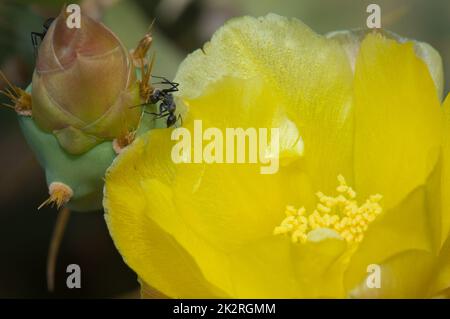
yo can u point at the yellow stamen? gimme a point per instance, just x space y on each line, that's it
340 213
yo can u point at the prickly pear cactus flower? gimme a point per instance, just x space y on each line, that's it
83 85
359 206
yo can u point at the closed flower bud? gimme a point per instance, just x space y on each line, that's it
84 85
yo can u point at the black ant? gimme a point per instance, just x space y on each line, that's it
35 36
151 95
167 107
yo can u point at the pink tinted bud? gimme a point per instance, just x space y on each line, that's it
84 85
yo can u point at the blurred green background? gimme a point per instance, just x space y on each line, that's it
181 26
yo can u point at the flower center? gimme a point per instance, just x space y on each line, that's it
340 213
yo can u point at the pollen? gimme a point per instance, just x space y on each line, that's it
340 213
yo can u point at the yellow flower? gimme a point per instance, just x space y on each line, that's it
363 177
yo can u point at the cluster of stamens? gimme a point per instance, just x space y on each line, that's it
340 213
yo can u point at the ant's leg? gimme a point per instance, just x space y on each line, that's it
138 105
34 41
164 78
173 85
161 116
152 113
157 115
180 119
171 90
142 104
35 36
162 110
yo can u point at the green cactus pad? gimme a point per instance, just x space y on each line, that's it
83 173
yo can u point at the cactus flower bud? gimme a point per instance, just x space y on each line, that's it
78 113
83 85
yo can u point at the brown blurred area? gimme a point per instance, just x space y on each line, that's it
181 26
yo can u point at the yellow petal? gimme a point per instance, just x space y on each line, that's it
351 41
445 180
406 275
398 120
320 264
441 284
153 253
275 267
264 270
434 63
232 204
312 90
399 229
